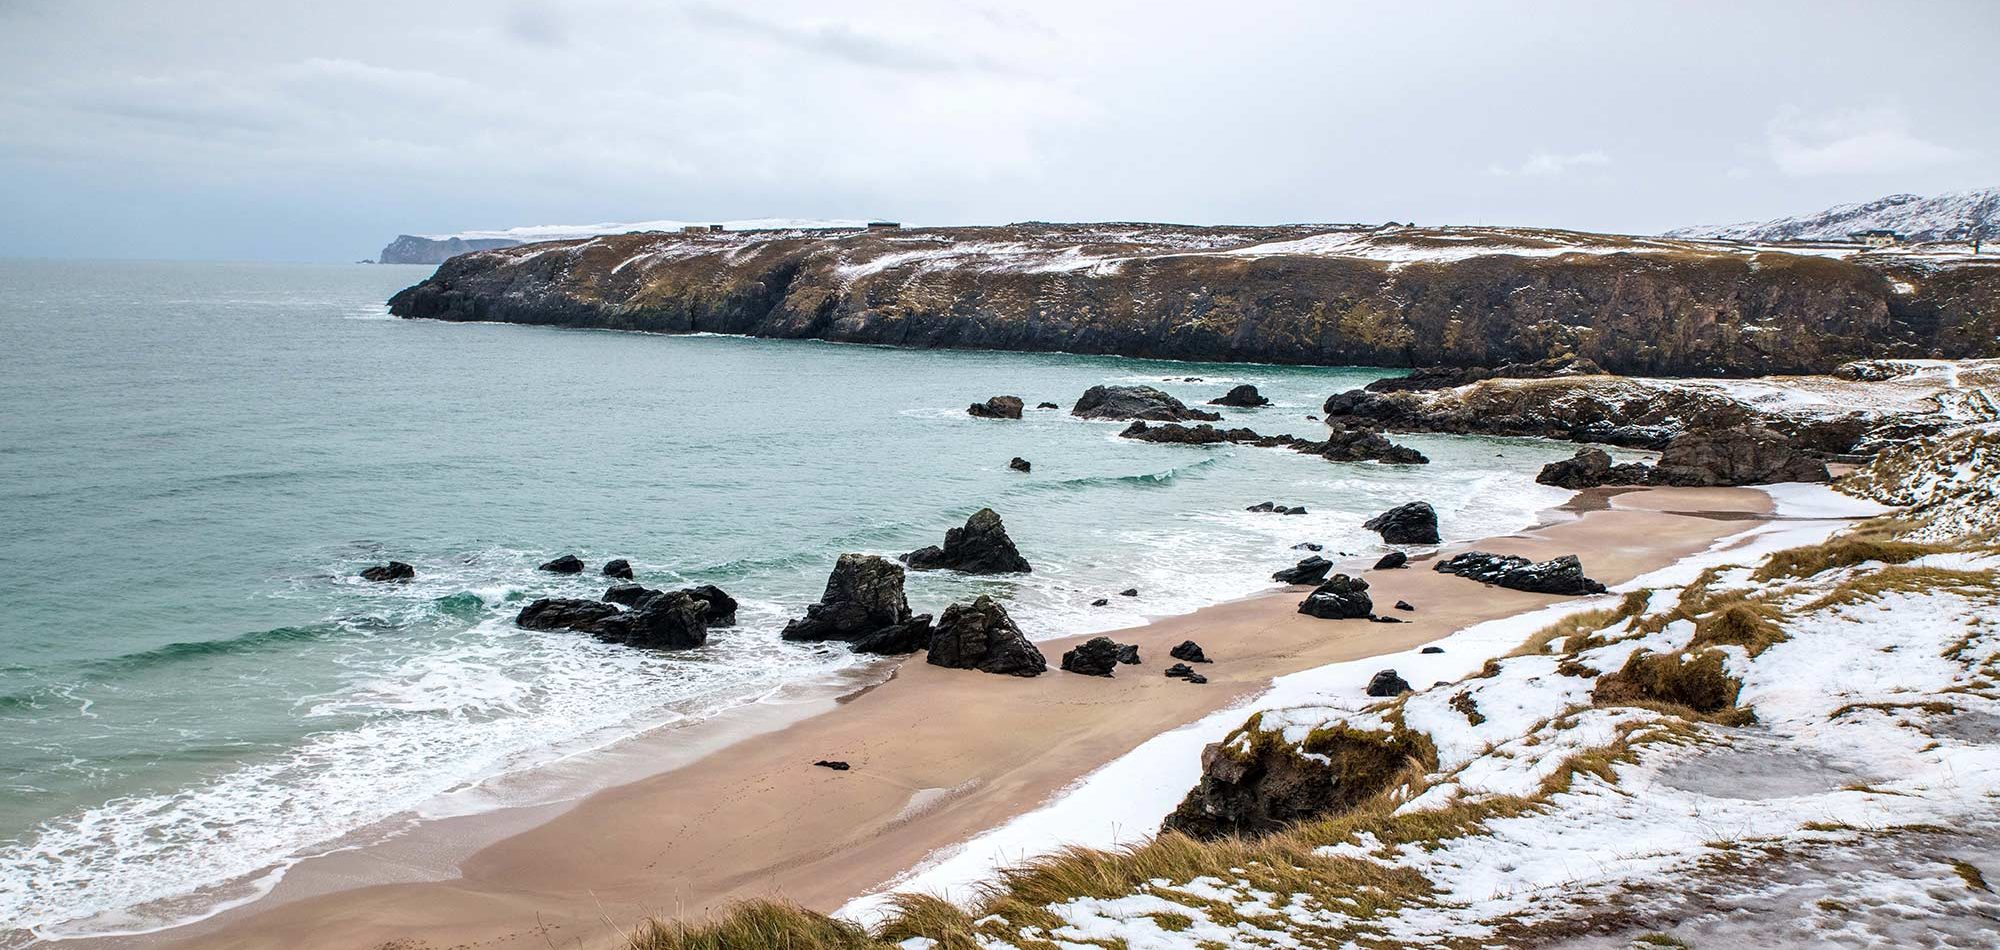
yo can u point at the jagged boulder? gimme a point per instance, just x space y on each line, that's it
1392 560
1020 464
1245 396
1189 651
980 547
1588 468
1741 455
1558 575
1097 656
1136 402
718 607
627 594
661 621
567 564
1128 654
980 636
564 613
1362 445
997 407
1413 523
863 596
1312 570
896 639
1387 683
1340 598
1047 405
619 568
1176 434
392 571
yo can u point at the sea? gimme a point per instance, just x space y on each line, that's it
196 460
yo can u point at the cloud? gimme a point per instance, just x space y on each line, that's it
1544 164
839 41
1855 142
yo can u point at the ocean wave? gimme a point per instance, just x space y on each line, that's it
1139 480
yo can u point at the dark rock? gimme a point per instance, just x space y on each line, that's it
1020 464
1128 654
619 568
980 636
1431 650
981 547
1189 651
1588 468
1387 683
1392 560
1262 506
1560 575
567 564
1308 546
1099 602
718 607
661 621
627 594
1312 570
1294 510
1204 434
559 613
1413 523
1195 678
1340 598
1384 618
1447 377
392 571
896 639
1251 789
1129 592
863 596
833 764
1136 402
1047 405
1361 445
1404 605
1245 396
1744 455
1179 670
998 407
1097 656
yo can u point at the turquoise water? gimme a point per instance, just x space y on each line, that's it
195 459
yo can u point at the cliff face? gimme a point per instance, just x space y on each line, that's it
1294 294
411 249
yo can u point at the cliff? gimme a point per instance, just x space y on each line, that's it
1286 294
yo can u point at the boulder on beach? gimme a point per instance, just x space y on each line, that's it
1392 560
1739 455
1404 605
1097 656
1136 402
1312 570
567 564
1189 651
997 407
980 636
1128 654
980 547
834 764
1244 396
1431 650
863 598
1591 467
896 639
1412 523
1558 575
1181 671
392 571
1387 683
1020 464
1340 598
619 568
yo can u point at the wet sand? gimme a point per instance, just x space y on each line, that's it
937 756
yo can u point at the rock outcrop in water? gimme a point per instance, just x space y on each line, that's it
1136 402
980 636
567 564
392 571
1462 297
863 605
1741 455
1309 571
619 568
1352 445
1245 396
980 547
997 407
656 620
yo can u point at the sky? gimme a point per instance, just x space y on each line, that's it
278 130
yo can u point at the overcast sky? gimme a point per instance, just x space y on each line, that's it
318 131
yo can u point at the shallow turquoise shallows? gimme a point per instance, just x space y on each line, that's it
196 459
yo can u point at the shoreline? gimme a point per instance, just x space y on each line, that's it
940 756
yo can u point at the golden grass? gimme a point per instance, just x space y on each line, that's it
764 925
1699 681
1750 626
1844 551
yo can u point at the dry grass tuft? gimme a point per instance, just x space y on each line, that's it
766 925
1844 551
1699 681
1750 626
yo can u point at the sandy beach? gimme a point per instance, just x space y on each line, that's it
937 756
